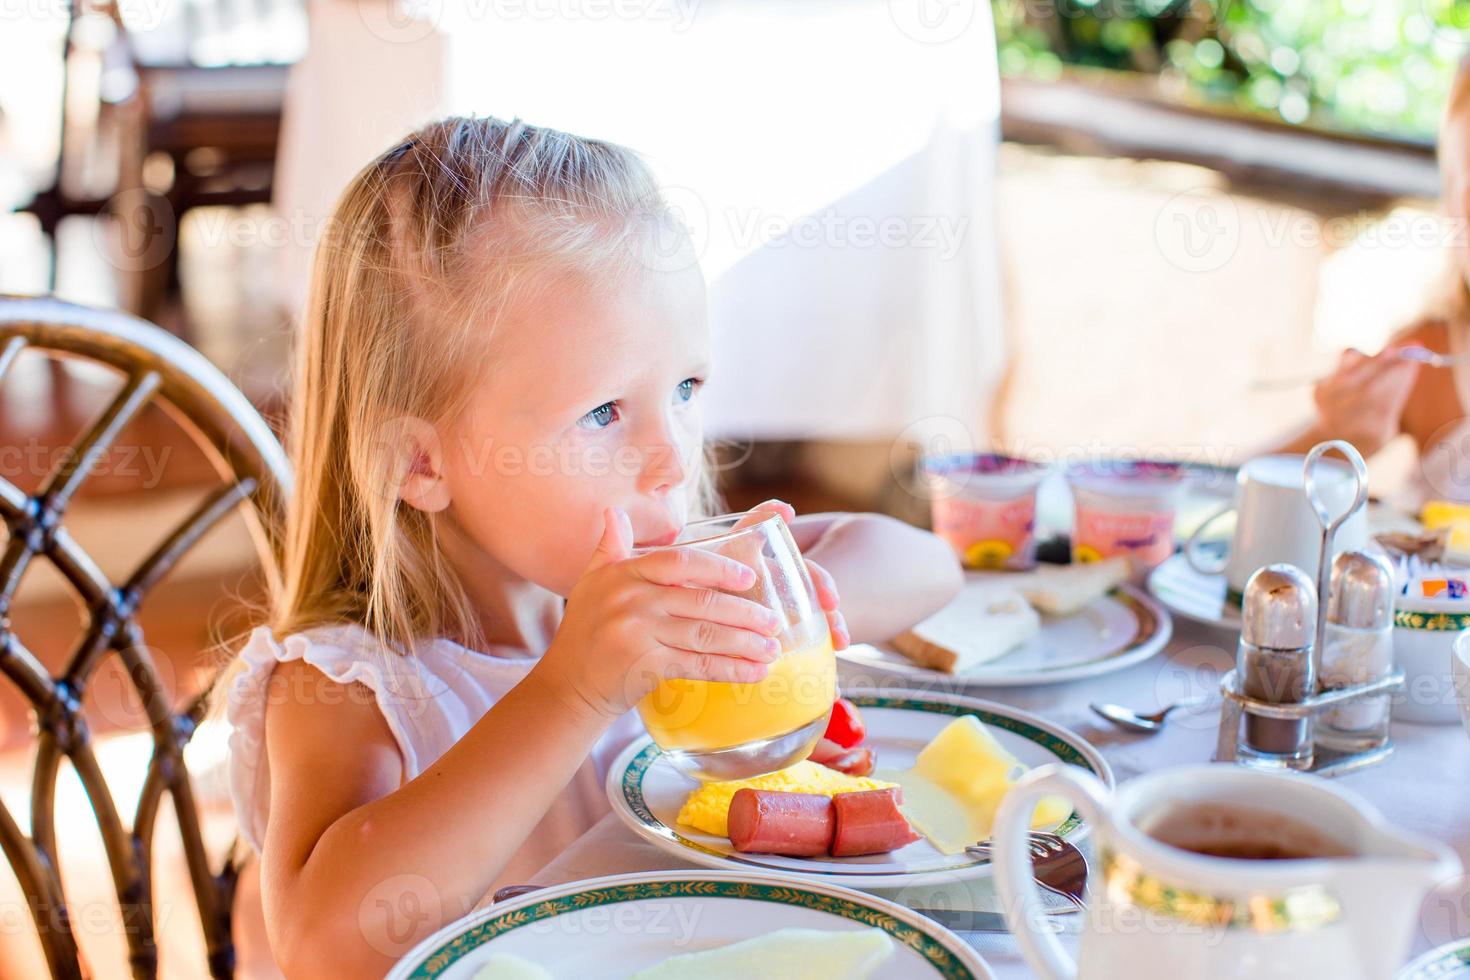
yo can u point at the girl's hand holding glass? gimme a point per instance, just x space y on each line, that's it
825 585
631 622
715 730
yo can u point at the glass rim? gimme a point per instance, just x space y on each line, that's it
707 539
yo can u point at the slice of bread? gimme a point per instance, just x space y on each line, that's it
1061 590
985 621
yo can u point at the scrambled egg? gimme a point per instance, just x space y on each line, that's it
708 808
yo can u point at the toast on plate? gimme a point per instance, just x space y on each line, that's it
985 621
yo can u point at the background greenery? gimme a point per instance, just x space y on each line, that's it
1364 66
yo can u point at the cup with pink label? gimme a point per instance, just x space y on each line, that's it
984 505
1127 508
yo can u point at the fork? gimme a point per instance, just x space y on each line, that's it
1422 355
513 891
1056 864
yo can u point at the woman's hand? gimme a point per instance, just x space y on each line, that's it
825 585
1363 400
632 622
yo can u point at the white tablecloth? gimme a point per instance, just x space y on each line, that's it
835 158
1423 788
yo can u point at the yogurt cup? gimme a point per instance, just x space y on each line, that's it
1125 508
1427 619
984 505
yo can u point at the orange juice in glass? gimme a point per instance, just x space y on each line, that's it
718 730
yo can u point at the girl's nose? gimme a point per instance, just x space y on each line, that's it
664 463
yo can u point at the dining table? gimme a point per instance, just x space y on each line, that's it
1421 788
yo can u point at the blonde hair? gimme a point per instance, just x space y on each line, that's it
427 248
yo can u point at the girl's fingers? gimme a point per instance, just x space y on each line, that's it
759 511
825 584
787 512
841 638
722 608
690 566
713 667
703 636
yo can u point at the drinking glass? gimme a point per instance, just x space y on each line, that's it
715 730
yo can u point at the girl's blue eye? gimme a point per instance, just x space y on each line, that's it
600 417
688 387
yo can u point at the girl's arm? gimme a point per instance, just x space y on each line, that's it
1371 400
890 575
355 868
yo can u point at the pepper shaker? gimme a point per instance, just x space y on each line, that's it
1357 647
1274 663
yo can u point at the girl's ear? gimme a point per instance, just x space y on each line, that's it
424 486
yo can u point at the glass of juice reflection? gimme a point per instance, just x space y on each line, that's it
715 730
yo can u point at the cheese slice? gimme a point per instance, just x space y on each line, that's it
791 954
1061 590
956 785
986 621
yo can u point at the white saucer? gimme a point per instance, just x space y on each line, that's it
1194 595
1114 632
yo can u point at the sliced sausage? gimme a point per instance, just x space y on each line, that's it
797 824
853 762
869 822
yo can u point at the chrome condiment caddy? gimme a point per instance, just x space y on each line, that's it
1284 634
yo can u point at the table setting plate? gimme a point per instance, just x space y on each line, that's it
613 926
646 792
1192 594
1452 960
1114 632
1203 598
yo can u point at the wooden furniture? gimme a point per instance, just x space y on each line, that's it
158 368
162 117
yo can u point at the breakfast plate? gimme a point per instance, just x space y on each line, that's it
1204 598
1194 595
647 792
1452 960
621 924
1114 632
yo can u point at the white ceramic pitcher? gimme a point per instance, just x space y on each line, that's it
1156 911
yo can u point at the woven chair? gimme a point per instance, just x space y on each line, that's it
157 368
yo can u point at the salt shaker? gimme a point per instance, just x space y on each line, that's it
1274 664
1357 647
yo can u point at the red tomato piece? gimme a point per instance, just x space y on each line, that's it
845 726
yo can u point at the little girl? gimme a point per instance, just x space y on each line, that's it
497 398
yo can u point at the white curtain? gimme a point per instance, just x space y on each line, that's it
836 158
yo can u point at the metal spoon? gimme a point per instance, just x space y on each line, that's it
1136 722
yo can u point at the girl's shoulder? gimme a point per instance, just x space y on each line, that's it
322 646
428 699
438 675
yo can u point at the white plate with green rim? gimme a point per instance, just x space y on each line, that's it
647 793
614 926
1441 963
1114 632
1196 596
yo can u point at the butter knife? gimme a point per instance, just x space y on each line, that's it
967 920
